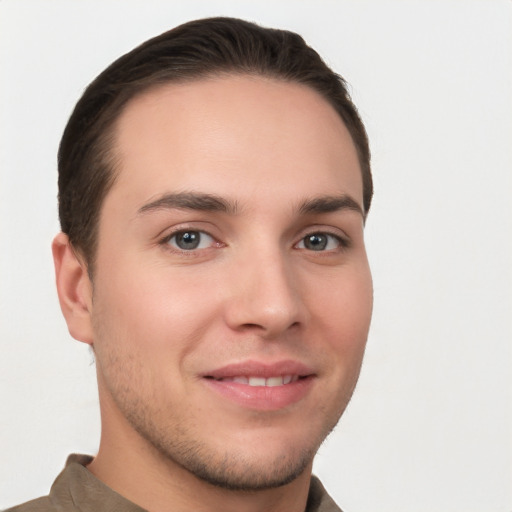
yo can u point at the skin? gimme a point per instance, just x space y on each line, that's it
162 319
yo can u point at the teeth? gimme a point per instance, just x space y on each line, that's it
257 381
262 381
275 381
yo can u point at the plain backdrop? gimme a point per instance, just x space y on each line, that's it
429 427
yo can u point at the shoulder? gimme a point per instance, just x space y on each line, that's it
43 504
61 497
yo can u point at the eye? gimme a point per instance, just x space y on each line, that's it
320 242
190 240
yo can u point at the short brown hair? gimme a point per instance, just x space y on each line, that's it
192 51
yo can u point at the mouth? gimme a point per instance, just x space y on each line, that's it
257 381
264 387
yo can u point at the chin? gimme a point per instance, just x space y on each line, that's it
242 464
240 474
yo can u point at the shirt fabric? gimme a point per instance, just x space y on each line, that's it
76 489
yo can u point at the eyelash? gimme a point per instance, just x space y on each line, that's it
343 243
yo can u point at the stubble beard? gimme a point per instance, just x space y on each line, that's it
177 445
228 470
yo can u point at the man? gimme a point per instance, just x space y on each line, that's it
213 188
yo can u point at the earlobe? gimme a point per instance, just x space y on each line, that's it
74 289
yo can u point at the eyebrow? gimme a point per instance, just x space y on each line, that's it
328 204
191 201
214 203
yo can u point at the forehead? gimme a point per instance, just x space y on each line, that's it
234 135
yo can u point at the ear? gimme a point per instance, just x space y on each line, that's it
74 289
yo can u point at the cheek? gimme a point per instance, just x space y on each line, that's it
145 326
152 307
343 313
345 302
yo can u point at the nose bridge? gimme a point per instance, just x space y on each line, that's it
265 293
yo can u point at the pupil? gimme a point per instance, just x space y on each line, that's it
188 240
316 242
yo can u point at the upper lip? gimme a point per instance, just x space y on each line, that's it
251 368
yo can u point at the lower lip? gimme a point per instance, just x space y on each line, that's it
263 398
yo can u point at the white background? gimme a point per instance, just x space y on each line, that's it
430 425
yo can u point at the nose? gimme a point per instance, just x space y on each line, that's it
265 296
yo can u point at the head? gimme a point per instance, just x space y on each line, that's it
190 52
214 185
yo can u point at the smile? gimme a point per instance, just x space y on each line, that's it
259 386
261 381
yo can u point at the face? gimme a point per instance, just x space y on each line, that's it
232 295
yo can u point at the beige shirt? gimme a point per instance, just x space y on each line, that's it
78 490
